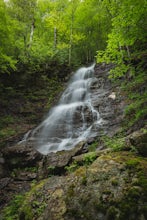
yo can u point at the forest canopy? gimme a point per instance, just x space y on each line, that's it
35 34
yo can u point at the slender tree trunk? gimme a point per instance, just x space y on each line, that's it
55 37
31 34
128 51
70 43
121 51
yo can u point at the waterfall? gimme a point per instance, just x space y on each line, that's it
72 120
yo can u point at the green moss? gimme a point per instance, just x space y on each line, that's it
72 167
142 182
51 170
6 120
144 130
34 202
134 201
89 158
80 172
70 191
38 207
112 213
134 193
93 146
114 182
26 213
12 210
84 180
133 163
116 143
7 132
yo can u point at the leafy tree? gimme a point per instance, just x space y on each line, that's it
128 31
92 24
7 61
70 32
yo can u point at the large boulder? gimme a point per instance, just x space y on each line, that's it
21 155
112 187
139 140
55 163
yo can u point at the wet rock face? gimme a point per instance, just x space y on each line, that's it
21 156
107 100
55 163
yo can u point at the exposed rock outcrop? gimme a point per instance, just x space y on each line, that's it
108 100
139 140
21 155
78 184
110 188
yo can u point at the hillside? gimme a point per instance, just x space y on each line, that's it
106 173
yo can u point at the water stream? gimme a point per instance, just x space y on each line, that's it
74 119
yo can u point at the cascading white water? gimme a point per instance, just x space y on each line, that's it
73 119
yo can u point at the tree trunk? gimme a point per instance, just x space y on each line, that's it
31 34
128 51
55 37
70 45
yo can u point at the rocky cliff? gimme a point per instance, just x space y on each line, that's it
102 178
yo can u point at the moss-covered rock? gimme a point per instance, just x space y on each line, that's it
112 187
21 155
139 140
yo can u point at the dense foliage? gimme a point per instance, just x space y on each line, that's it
66 32
70 32
127 39
42 40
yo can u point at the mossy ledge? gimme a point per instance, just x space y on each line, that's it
112 187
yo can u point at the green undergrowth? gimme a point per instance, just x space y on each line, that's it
92 147
89 158
86 161
11 211
72 167
116 143
21 108
10 126
135 90
23 207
